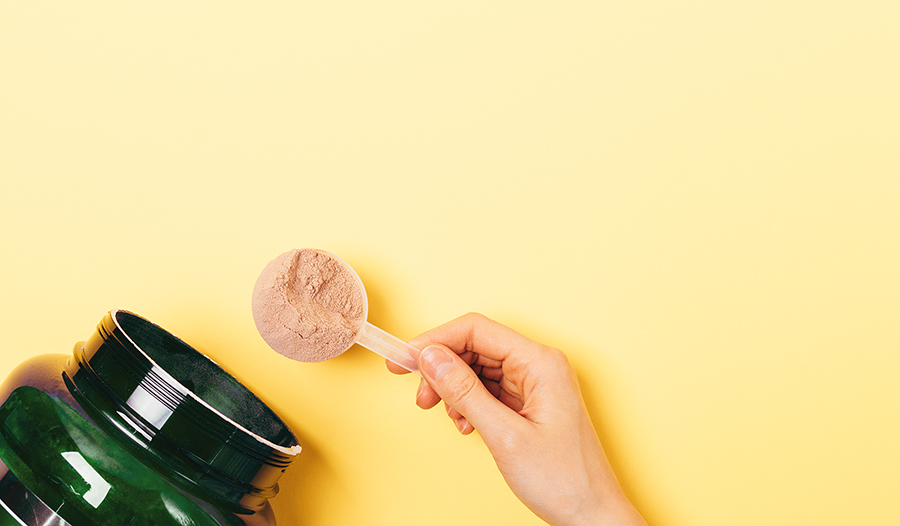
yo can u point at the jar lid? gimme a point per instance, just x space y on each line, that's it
180 412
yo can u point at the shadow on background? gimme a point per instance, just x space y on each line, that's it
589 389
591 382
379 312
306 483
216 332
379 303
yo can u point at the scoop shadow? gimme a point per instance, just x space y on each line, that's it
378 313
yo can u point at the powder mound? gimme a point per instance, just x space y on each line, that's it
308 305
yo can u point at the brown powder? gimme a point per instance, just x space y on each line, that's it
308 305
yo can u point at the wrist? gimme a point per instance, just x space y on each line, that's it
619 513
607 511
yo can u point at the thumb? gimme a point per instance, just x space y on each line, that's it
458 385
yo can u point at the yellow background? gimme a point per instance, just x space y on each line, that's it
697 201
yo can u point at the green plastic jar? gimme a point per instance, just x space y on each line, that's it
136 429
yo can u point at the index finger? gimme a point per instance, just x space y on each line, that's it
474 332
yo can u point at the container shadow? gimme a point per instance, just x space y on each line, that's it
307 482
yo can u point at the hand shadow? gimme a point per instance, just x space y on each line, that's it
590 381
588 384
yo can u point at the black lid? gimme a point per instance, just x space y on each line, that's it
181 413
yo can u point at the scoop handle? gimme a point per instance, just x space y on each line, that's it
390 347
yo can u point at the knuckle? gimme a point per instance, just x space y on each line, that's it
508 443
558 364
474 317
556 356
460 389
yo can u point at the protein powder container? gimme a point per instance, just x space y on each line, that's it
136 429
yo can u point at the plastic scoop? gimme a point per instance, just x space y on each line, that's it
310 305
388 346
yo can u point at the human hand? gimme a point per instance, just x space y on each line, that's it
523 398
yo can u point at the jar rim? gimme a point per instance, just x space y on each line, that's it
117 316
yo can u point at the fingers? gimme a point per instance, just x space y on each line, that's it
462 424
492 341
482 372
394 368
461 389
426 398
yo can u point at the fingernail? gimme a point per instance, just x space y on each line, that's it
422 385
461 424
435 361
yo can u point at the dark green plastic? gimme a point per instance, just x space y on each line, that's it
136 428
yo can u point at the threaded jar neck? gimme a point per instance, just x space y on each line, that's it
180 412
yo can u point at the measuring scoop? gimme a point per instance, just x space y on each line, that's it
310 305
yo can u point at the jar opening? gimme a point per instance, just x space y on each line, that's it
180 412
209 382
